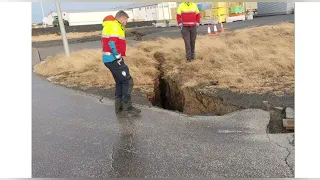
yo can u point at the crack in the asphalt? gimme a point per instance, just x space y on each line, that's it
291 142
286 160
289 152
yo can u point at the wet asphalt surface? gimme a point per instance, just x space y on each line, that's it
79 135
76 135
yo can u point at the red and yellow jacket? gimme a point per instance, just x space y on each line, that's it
113 39
188 14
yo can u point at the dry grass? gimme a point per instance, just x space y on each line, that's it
85 69
253 60
51 37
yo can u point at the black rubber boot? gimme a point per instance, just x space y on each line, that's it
127 103
193 57
118 105
133 109
128 109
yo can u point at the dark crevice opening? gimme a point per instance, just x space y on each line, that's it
164 99
161 87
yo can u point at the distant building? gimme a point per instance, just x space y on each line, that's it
50 18
275 8
152 11
136 12
76 18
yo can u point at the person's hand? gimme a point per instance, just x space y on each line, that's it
118 56
180 25
197 25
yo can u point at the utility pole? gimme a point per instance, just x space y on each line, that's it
43 21
62 29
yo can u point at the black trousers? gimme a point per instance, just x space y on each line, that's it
122 77
189 35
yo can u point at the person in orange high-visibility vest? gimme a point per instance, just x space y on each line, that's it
188 18
113 50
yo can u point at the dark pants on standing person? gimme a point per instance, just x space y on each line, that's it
124 82
189 35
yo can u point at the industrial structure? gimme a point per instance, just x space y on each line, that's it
136 12
166 11
274 8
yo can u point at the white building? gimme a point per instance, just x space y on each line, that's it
151 11
165 10
136 12
50 18
274 8
76 18
88 18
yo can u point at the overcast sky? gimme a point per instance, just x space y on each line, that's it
50 6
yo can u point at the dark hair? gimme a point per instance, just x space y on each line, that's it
121 14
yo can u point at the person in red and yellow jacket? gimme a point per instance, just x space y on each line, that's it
113 50
188 18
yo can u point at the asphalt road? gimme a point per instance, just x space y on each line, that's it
174 32
78 135
203 30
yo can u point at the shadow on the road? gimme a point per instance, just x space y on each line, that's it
124 149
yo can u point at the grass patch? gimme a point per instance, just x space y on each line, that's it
259 59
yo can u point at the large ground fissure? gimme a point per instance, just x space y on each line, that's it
169 94
237 70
